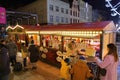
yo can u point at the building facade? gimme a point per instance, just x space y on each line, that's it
58 11
22 18
49 11
74 12
85 12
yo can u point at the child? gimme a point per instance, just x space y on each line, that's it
64 70
24 52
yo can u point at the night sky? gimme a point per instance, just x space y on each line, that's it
13 4
97 4
100 5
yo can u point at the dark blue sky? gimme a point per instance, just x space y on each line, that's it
100 5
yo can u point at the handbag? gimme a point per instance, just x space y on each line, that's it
103 71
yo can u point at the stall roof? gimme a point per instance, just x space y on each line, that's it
105 25
31 27
26 27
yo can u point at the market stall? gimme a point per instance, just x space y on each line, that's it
91 37
24 33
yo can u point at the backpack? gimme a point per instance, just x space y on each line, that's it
17 67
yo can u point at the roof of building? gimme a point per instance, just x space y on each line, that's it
105 25
89 26
31 28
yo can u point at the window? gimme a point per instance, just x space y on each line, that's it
71 20
66 11
57 9
51 18
62 19
66 20
57 19
62 10
71 12
51 7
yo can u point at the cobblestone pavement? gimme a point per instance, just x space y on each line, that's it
43 72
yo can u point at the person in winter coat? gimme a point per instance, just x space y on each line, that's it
110 63
80 71
12 50
4 61
34 54
65 69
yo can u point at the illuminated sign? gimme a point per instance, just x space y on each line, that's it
2 15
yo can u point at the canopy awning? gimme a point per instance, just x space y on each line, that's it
91 29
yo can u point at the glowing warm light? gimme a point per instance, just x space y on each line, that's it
74 33
18 26
9 27
32 32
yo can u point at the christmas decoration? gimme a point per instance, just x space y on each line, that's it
115 9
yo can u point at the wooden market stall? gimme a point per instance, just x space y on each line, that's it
24 33
94 34
91 36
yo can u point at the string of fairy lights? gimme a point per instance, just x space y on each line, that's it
115 9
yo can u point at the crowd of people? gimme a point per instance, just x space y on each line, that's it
8 56
75 66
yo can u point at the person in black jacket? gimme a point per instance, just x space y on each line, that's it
34 54
4 61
